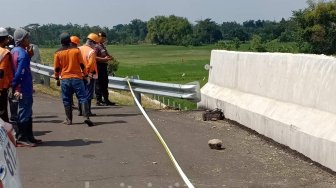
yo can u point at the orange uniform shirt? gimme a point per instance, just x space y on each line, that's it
89 56
68 63
6 68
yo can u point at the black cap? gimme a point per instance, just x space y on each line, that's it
102 34
65 38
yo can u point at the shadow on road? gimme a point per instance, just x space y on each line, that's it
113 122
40 133
47 116
48 121
117 115
104 107
70 143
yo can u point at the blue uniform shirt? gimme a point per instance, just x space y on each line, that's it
23 80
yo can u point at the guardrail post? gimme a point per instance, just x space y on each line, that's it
46 80
41 79
137 94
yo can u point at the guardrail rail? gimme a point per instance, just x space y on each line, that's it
190 91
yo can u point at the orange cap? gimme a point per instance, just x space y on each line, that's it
94 37
75 40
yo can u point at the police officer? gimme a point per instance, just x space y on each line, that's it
103 57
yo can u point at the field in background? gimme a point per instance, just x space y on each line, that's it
170 64
173 64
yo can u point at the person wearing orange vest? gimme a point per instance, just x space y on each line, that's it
69 66
89 57
6 73
75 42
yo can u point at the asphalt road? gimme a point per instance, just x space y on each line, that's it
123 151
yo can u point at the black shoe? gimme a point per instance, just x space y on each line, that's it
91 114
100 104
89 122
68 122
35 141
25 143
109 103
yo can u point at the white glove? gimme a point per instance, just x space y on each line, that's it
88 80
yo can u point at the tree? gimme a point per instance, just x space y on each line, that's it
257 44
317 27
231 30
207 31
170 30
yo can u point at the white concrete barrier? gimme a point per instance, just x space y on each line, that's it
290 98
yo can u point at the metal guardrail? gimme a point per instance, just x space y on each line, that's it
190 91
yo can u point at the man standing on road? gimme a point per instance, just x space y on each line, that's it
69 65
6 73
102 58
22 86
89 57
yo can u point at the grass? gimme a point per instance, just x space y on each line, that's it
170 64
156 63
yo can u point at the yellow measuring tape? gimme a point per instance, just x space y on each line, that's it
172 158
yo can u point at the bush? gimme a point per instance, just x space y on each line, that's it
113 66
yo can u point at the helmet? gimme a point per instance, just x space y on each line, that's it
75 40
3 32
94 37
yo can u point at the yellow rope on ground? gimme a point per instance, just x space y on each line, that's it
172 158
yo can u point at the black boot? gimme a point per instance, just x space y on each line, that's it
109 103
68 114
99 101
80 113
13 106
86 114
106 101
31 133
22 136
90 113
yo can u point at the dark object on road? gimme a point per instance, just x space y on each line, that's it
215 144
213 115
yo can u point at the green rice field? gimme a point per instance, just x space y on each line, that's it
170 64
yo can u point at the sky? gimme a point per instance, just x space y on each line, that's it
108 13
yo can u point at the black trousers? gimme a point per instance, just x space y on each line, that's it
4 105
101 88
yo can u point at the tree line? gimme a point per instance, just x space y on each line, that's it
312 30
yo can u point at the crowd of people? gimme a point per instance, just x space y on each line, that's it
79 69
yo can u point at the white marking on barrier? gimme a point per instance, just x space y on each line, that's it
172 158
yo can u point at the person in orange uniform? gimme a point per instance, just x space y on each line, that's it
69 65
89 57
6 73
75 42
